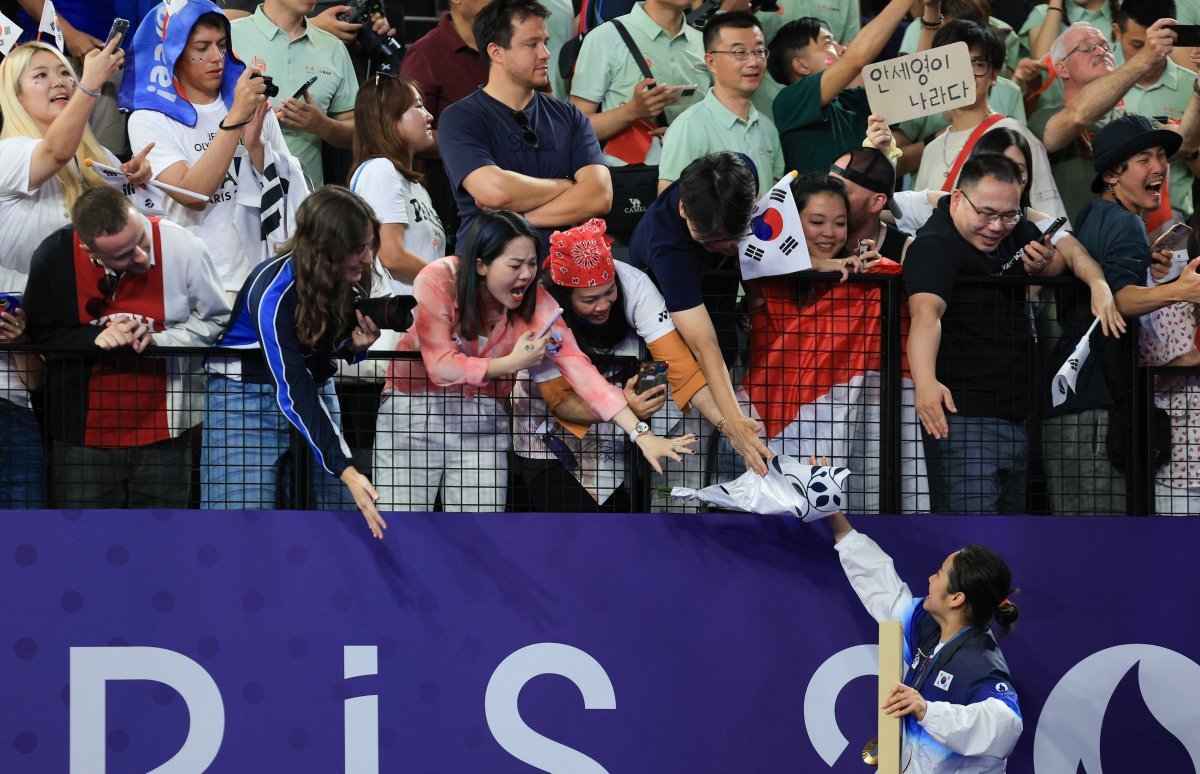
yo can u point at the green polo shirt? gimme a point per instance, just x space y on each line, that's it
812 135
606 72
1012 47
1187 12
708 127
1101 19
259 43
1004 98
1169 98
840 16
1072 166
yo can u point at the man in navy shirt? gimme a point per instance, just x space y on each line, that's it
685 241
510 147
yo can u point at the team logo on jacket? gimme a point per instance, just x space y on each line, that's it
943 680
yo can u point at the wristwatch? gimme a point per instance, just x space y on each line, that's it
640 429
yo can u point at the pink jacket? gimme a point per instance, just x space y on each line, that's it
451 364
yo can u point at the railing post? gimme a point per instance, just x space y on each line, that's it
890 396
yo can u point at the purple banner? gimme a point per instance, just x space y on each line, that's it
512 642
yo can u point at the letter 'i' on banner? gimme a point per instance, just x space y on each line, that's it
891 655
775 244
9 32
49 24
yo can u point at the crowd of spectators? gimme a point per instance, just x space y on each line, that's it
493 181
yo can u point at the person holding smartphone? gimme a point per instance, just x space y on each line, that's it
442 424
568 457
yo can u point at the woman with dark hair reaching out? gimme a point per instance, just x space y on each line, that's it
957 701
481 318
299 311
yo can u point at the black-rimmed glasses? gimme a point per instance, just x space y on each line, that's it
1011 218
742 54
529 136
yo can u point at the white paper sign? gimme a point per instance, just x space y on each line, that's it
921 84
9 32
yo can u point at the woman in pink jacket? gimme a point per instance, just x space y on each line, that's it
442 422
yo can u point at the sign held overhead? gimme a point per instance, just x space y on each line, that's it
921 84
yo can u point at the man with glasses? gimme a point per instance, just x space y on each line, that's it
509 146
941 153
118 283
688 243
970 344
725 119
1093 88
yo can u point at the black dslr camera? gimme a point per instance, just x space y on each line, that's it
388 312
384 51
272 90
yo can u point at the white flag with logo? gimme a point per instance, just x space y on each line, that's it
775 244
49 25
1068 374
9 32
146 199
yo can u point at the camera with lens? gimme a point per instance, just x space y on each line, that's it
272 90
388 312
384 51
699 16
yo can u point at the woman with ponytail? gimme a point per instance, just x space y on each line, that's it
957 701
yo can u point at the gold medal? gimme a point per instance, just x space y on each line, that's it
870 753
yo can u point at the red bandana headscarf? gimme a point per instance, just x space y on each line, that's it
580 257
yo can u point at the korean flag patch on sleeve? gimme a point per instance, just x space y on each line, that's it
943 680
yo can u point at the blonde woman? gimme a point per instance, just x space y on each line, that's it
45 141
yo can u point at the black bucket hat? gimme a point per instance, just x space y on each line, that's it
1124 138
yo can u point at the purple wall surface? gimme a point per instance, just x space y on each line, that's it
512 642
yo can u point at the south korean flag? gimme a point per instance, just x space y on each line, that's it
1068 374
775 244
9 32
144 198
49 24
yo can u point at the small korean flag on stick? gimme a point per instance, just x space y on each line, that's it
49 24
775 244
1069 373
9 32
146 199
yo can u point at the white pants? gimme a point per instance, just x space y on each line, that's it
428 441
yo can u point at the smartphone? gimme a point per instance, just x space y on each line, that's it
863 247
1172 238
300 91
651 374
688 91
546 328
119 27
1186 35
1049 233
10 302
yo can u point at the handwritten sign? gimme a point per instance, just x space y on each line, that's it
921 84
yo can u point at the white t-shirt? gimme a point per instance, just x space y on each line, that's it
27 216
941 152
396 199
231 231
600 454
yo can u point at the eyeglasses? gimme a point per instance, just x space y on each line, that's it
107 287
980 66
742 54
1088 48
987 218
722 245
528 135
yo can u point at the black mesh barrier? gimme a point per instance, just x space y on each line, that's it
819 363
